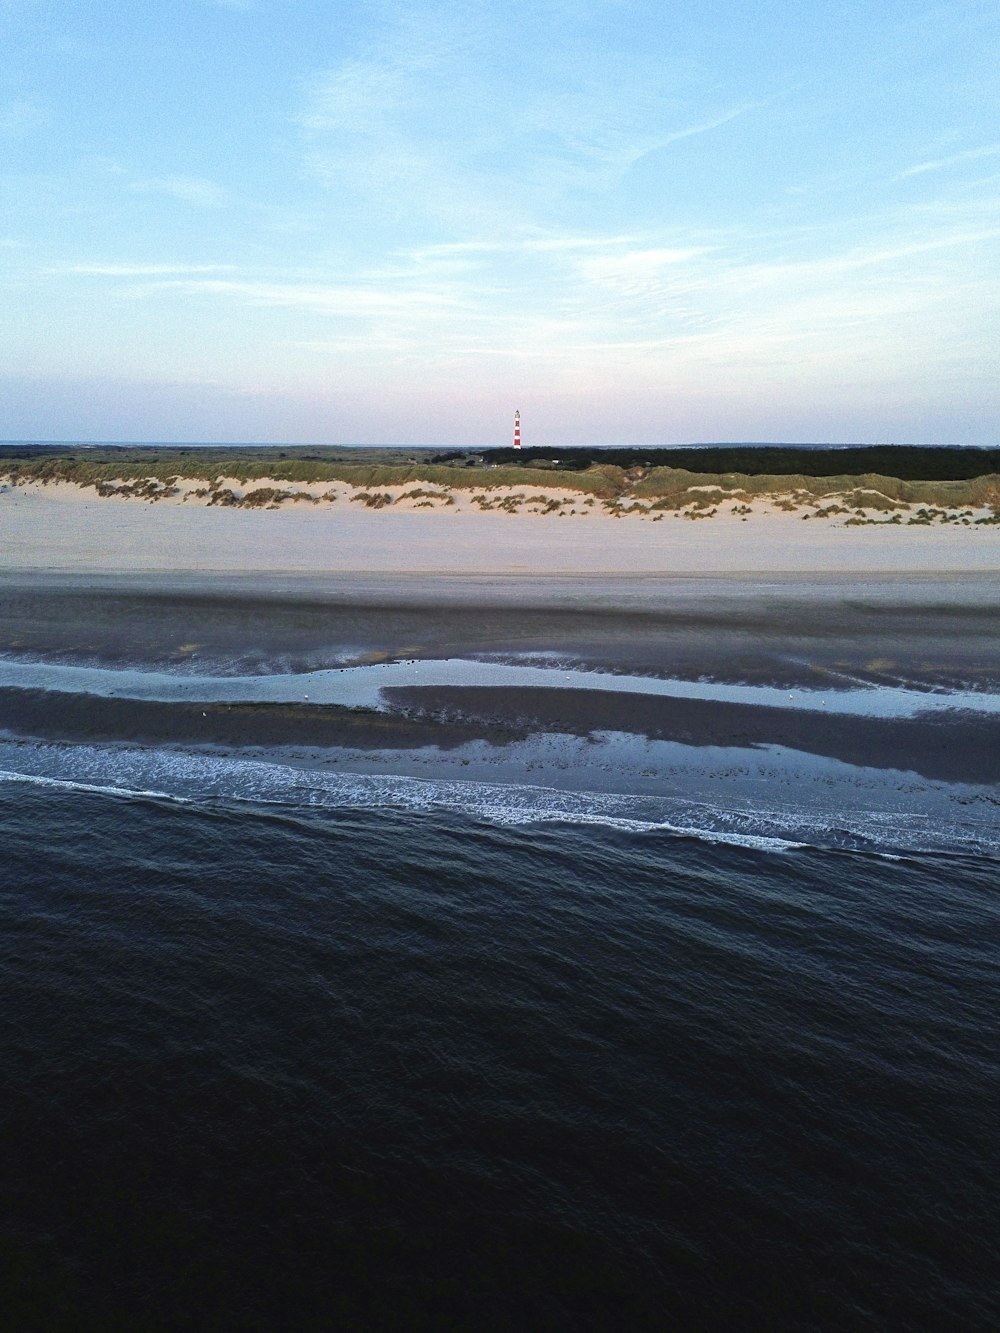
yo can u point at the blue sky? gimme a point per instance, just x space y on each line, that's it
396 222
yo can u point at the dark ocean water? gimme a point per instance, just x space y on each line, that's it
296 1067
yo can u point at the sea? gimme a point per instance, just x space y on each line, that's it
288 1046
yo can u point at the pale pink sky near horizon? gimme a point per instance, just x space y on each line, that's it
111 412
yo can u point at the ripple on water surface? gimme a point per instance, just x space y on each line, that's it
284 1062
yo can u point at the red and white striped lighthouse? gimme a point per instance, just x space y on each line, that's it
517 430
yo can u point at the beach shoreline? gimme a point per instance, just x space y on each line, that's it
703 689
270 600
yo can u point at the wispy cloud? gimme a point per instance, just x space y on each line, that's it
190 189
621 302
428 119
713 123
601 197
20 118
520 245
335 299
139 270
632 155
955 159
638 265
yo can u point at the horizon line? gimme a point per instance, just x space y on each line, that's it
336 444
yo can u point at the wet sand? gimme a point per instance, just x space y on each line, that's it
948 747
955 747
935 635
796 629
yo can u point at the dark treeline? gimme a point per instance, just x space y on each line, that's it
35 450
154 452
907 462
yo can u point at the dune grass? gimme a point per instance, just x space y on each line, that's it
154 473
169 466
678 486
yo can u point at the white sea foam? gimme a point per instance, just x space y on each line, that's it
496 804
119 771
100 789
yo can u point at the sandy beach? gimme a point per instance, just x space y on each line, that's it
65 528
403 643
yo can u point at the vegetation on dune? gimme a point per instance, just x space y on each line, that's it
426 497
905 462
654 486
113 467
146 488
676 487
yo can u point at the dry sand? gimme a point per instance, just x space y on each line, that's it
65 528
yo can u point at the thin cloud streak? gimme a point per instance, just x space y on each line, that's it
345 300
403 119
706 126
189 189
138 270
941 163
630 302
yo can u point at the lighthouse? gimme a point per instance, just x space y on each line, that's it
517 430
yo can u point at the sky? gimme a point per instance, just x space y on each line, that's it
394 223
